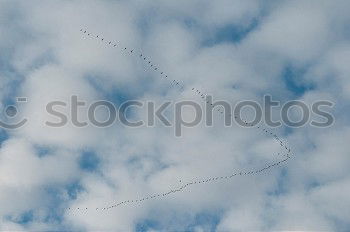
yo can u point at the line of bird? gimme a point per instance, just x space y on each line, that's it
188 184
181 87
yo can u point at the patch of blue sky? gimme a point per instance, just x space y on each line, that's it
6 69
73 189
8 99
47 57
54 205
292 77
23 219
136 163
11 79
148 225
3 136
282 183
145 21
42 151
339 225
56 202
89 161
228 33
206 221
119 95
286 130
231 33
19 34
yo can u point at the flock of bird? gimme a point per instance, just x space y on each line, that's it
178 84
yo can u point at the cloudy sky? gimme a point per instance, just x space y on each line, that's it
55 178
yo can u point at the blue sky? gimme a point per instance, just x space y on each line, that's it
233 50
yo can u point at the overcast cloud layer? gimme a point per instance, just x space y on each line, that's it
232 49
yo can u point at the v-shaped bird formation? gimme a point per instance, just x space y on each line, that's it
180 86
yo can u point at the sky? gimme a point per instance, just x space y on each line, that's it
231 49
